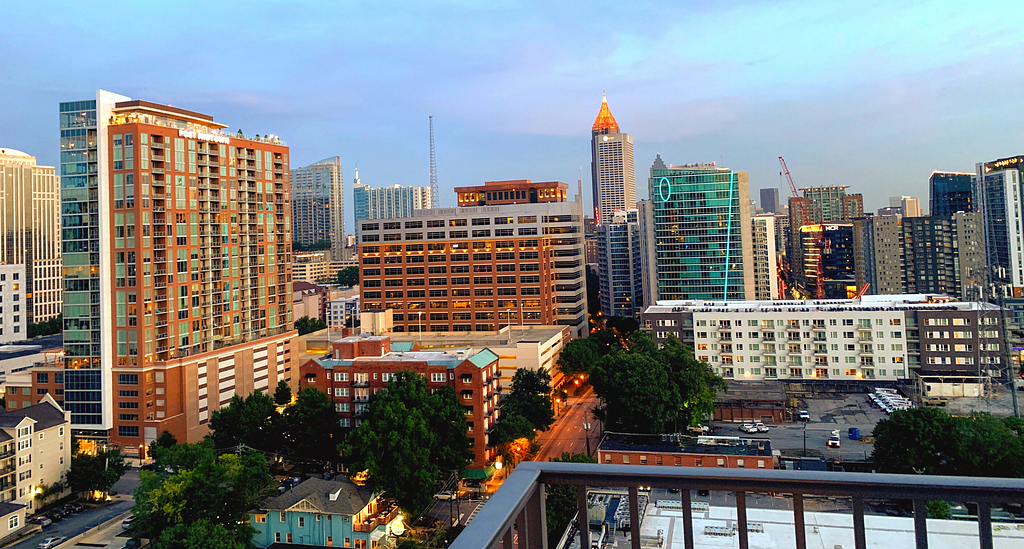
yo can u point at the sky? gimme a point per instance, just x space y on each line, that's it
874 95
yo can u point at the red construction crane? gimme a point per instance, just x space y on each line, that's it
822 243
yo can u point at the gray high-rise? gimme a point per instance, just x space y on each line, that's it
770 200
318 205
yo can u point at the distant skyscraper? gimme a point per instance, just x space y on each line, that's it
13 323
388 202
998 195
700 224
612 171
909 206
950 192
838 274
766 279
770 200
619 265
30 231
826 204
318 205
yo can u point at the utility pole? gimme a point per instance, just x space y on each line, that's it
1005 327
586 428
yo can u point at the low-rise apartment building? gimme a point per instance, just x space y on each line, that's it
871 338
361 366
675 450
35 452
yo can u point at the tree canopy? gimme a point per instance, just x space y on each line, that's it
645 389
929 441
578 356
311 427
530 398
307 325
201 534
97 472
282 393
349 276
409 439
252 421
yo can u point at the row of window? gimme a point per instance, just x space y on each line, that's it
437 223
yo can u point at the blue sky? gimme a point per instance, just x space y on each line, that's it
874 95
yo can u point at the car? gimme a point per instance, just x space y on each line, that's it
56 515
43 520
833 442
50 543
134 543
72 508
760 427
127 523
673 490
445 496
748 428
805 415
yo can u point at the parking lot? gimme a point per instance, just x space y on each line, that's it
827 414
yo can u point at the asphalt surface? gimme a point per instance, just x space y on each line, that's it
566 434
76 524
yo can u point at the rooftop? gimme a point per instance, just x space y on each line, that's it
450 360
684 444
45 414
501 338
605 122
339 496
866 303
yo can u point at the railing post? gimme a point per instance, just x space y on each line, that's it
536 535
687 517
798 521
634 517
741 519
859 539
506 540
921 523
582 521
985 525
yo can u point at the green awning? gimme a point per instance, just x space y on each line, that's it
478 474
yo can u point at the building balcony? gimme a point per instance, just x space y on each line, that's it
518 507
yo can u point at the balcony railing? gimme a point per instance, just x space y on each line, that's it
517 508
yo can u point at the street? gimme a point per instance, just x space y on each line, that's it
566 433
76 524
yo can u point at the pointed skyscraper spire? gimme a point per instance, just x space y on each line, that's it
605 122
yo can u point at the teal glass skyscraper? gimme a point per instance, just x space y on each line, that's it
701 232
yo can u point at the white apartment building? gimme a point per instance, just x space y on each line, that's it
766 280
872 338
36 449
13 305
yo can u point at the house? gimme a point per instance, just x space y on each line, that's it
328 513
35 451
12 521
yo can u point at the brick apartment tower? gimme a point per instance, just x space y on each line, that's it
177 269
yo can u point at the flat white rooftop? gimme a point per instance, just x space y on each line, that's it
866 303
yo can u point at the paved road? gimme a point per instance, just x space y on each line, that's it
567 434
76 524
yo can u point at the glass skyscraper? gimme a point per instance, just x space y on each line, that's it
950 192
702 232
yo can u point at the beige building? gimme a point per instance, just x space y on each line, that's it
30 225
36 449
612 170
766 279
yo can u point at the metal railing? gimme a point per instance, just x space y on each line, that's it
517 508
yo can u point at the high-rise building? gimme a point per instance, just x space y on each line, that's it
909 206
766 279
388 202
770 200
13 317
479 268
836 272
945 255
30 223
177 268
950 192
826 204
878 254
999 197
619 265
611 166
700 225
318 205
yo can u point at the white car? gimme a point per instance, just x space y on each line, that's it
748 428
833 442
445 496
50 543
804 415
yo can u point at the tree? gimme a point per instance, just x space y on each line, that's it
578 356
349 276
282 393
193 484
310 426
307 325
561 503
316 246
409 439
530 398
166 440
252 421
98 472
201 534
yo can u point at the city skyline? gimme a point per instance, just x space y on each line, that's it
883 102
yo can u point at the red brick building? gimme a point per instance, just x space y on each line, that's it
360 367
686 451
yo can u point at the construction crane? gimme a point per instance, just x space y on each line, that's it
863 290
822 242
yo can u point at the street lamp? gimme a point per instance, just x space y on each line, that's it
508 317
586 427
396 528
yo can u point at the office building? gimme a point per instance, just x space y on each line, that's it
648 251
871 338
950 192
619 265
179 296
611 166
891 211
999 198
318 205
343 312
685 451
479 268
831 265
390 202
13 312
30 226
826 204
909 206
945 255
324 513
700 224
770 200
766 278
359 366
35 442
313 267
878 254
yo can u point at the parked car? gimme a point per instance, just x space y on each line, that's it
72 508
444 496
127 523
833 441
56 515
804 415
134 543
50 543
43 520
748 428
760 427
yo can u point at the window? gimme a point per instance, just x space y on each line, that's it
128 431
261 519
302 522
12 523
437 377
277 536
60 431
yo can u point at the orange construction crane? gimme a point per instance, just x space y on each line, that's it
822 243
863 290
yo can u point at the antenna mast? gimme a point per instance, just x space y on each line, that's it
433 168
